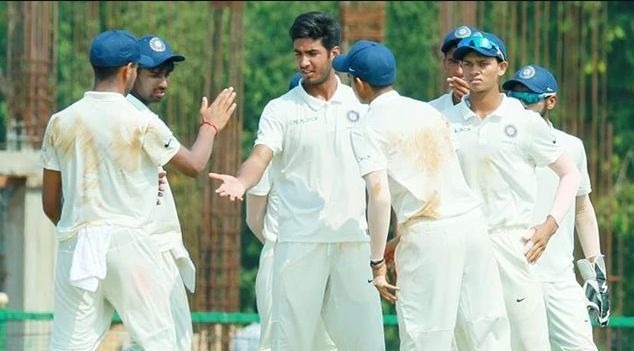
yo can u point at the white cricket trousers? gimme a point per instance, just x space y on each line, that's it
522 292
179 304
569 325
264 297
449 281
325 281
134 286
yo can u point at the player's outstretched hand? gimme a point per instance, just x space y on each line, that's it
387 290
536 239
230 187
219 111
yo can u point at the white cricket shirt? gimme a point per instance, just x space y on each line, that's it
443 102
108 153
498 156
413 142
265 188
556 263
322 196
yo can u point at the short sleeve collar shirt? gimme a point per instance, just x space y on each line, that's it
498 155
322 196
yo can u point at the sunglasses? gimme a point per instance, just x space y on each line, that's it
481 43
528 98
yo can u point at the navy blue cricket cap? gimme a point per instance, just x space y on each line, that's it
158 51
484 43
536 78
455 35
371 61
115 48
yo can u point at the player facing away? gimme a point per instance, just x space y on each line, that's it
447 271
568 323
100 157
262 203
150 86
500 144
452 70
321 268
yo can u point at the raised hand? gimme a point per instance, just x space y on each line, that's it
220 110
230 186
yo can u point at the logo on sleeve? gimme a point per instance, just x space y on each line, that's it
168 142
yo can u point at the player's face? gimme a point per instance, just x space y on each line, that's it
313 61
452 66
482 72
151 84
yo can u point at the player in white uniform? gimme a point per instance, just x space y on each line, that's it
321 256
151 86
568 322
100 157
452 70
447 272
500 144
262 204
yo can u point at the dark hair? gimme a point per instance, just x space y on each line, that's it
317 25
105 73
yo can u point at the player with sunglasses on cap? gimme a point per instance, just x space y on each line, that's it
568 322
500 144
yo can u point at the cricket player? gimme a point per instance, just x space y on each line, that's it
447 272
321 268
100 157
458 87
500 145
568 322
262 210
150 86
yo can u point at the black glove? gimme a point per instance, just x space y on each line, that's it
595 287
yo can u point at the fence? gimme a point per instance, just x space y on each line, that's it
213 331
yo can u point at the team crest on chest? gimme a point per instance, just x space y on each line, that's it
510 131
353 116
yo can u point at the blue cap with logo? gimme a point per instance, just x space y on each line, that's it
455 35
371 61
115 48
484 43
536 78
158 51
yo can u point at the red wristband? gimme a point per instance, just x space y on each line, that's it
211 125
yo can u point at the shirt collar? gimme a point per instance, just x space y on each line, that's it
315 103
384 98
507 107
137 103
103 95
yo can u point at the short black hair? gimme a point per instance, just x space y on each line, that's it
317 25
105 73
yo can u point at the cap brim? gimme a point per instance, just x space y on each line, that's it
508 85
340 63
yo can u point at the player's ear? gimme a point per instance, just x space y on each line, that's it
335 51
551 101
502 66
